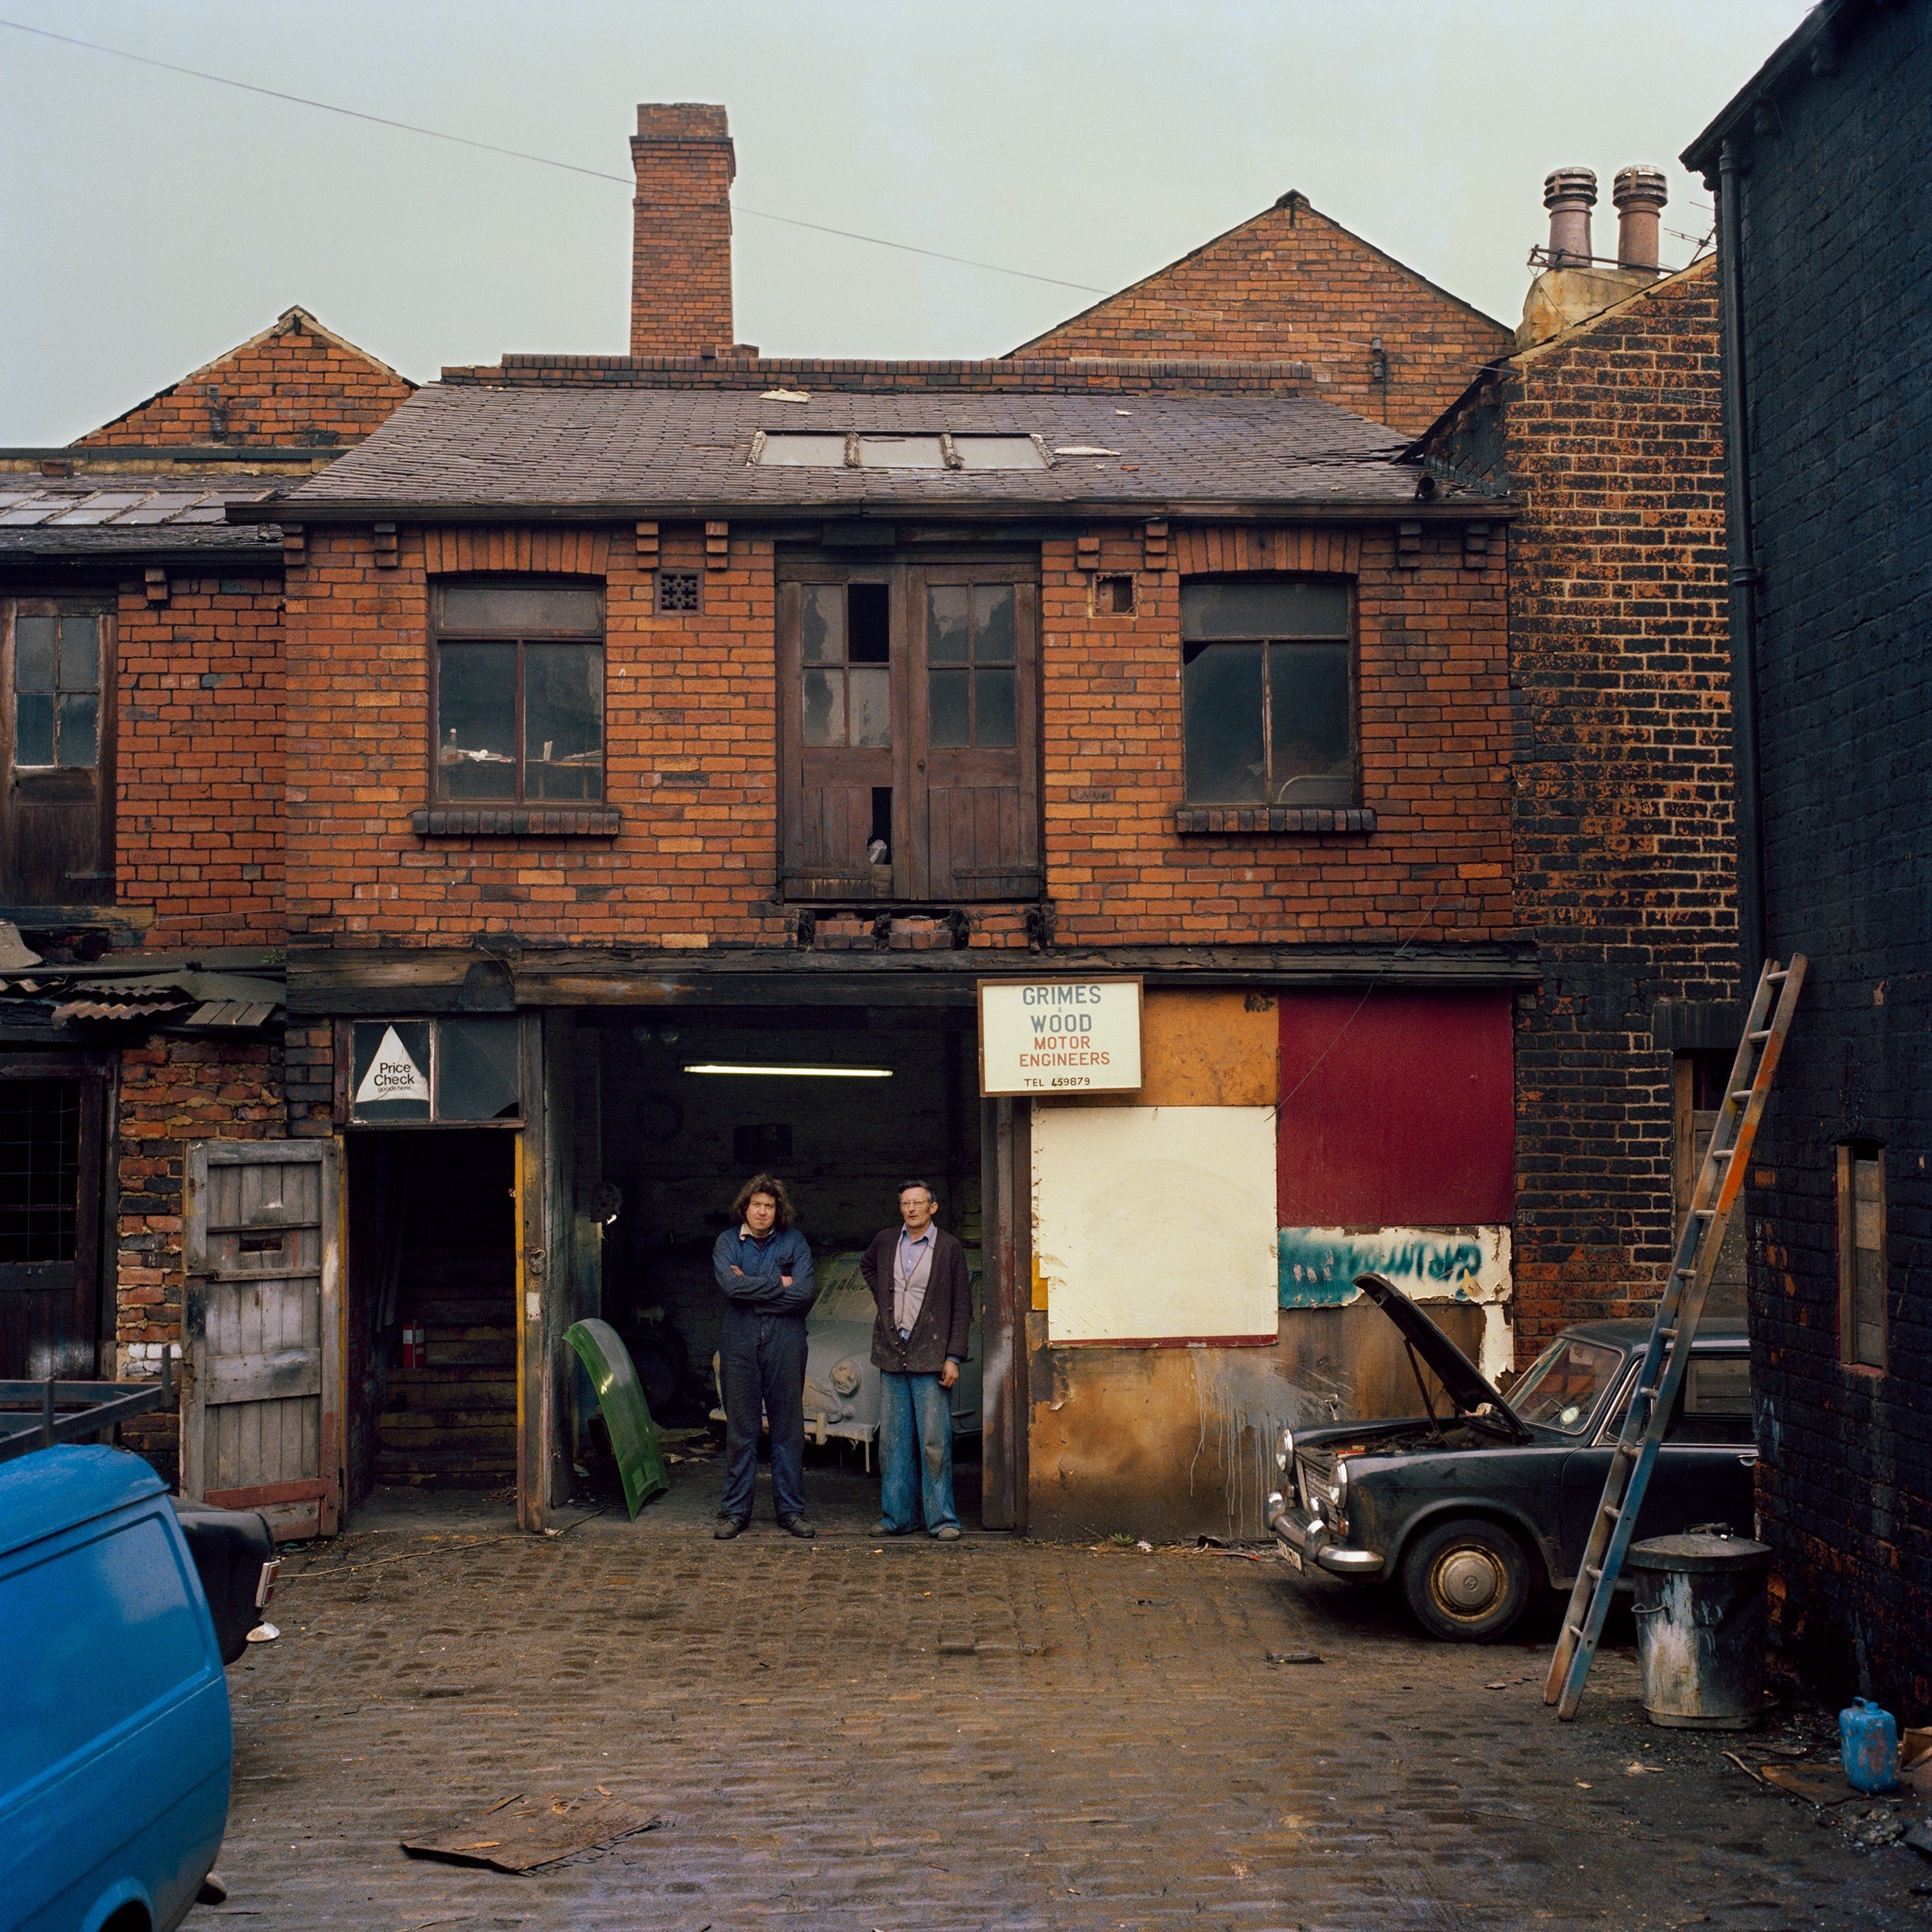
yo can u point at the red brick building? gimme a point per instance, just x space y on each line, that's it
689 710
142 861
1607 432
630 716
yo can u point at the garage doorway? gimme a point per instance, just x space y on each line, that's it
432 1310
897 1099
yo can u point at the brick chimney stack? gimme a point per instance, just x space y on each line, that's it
1570 193
1640 194
680 260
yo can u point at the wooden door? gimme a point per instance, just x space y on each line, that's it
56 789
51 1111
261 1413
1697 1081
972 665
838 712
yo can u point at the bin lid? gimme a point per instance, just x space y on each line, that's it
1696 1550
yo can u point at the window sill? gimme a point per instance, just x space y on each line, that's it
517 821
1274 819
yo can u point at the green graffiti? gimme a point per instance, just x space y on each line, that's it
1317 1269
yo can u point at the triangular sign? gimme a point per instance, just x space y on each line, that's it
392 1075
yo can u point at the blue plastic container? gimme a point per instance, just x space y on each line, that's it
1869 1745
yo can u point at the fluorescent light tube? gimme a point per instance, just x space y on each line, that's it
795 1073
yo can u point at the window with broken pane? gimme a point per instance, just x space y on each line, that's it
519 710
1267 692
57 691
845 666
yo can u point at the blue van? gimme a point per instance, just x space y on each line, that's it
115 1744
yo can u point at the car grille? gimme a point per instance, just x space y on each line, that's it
1315 1480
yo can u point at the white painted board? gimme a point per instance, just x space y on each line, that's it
1059 1036
1155 1224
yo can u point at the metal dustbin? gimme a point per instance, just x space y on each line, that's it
1701 1628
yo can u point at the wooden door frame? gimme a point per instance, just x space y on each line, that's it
331 1441
93 1244
104 606
1006 1267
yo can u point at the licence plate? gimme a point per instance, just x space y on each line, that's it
1292 1558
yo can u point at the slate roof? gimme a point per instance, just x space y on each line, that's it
115 513
455 447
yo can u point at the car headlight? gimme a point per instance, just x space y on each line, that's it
845 1377
1284 1450
1341 1487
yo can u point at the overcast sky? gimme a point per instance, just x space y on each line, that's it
151 221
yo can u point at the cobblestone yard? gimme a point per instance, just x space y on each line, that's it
855 1733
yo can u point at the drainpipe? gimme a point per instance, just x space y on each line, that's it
1747 787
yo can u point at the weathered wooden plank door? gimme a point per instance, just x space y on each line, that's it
260 1414
836 705
976 791
52 1107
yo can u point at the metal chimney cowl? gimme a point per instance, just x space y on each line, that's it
1570 193
1640 194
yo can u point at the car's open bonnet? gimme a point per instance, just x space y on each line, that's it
1468 1387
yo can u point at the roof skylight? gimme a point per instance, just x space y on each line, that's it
853 450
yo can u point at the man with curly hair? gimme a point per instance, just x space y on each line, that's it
763 1268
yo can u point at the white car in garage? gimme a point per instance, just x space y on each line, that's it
841 1385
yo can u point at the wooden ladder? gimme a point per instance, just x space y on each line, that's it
1667 1353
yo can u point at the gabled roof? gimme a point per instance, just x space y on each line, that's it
453 451
1292 202
294 321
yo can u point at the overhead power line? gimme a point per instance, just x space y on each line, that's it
516 154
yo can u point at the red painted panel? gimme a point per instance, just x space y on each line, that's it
1397 1110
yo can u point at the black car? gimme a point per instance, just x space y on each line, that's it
1471 1509
234 1556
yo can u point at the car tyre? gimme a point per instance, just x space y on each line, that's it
1467 1581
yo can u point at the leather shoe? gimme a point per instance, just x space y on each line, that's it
946 1532
882 1528
797 1525
729 1527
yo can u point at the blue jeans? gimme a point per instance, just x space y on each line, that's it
915 1451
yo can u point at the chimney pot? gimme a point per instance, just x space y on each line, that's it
1640 194
1570 193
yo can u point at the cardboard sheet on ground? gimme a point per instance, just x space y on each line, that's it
633 1435
521 1833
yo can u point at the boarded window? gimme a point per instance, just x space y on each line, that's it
56 792
1697 1094
1861 1254
910 756
520 704
1397 1110
1267 695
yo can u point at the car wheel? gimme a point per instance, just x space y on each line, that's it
1467 1581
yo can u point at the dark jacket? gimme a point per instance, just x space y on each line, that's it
944 1322
756 1288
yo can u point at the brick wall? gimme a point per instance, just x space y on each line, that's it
680 270
692 759
1292 283
174 1091
294 382
1837 263
199 761
1625 864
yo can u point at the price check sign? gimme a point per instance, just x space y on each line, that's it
1059 1036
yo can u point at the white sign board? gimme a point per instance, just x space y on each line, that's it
1059 1036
